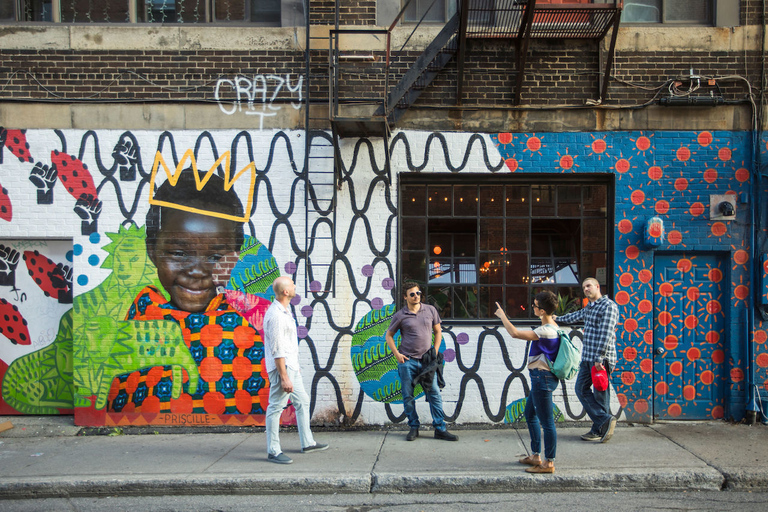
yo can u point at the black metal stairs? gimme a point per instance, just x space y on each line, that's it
427 66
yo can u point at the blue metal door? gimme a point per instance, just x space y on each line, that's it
689 335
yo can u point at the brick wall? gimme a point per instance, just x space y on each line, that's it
556 73
751 12
567 73
150 75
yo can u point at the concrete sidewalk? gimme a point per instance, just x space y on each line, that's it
45 457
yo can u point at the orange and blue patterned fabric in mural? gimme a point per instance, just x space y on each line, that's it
228 351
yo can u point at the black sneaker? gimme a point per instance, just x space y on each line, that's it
445 435
611 425
412 434
591 436
317 447
280 458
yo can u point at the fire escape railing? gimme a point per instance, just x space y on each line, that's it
523 20
506 19
339 70
516 20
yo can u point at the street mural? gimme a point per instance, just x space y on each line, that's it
36 313
90 323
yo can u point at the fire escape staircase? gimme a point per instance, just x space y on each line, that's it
519 21
434 58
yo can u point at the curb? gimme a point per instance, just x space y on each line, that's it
566 481
746 480
163 486
390 483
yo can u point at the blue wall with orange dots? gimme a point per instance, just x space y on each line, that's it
668 175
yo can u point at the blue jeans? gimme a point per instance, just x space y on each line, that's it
597 404
539 412
407 371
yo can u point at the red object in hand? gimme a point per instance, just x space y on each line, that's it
599 379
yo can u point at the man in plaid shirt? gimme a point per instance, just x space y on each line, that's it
599 350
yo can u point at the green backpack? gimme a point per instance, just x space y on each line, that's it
566 364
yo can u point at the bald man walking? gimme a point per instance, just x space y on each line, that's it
281 355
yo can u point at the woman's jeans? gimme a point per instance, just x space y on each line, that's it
539 412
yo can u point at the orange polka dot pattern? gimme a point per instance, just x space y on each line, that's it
229 354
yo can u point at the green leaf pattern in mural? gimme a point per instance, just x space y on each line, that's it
41 382
105 346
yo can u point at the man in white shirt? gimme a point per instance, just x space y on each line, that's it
281 355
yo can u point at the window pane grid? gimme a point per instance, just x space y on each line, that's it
483 246
261 12
668 11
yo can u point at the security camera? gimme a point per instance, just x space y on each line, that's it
726 209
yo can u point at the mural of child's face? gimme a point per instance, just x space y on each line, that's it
187 249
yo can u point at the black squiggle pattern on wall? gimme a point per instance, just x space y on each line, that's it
360 178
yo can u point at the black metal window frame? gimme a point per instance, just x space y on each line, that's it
465 280
429 11
664 16
229 12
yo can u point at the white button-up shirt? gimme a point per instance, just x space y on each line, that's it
280 337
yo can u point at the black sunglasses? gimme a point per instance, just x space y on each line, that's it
534 306
414 294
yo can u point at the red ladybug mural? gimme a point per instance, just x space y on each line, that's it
16 142
6 213
74 175
12 325
55 279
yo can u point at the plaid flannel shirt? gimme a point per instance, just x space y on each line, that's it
599 318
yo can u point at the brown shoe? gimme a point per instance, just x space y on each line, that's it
541 469
531 460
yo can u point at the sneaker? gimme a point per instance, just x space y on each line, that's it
445 435
280 458
412 434
608 430
317 447
591 436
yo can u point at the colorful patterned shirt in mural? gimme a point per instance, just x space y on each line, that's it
599 318
228 351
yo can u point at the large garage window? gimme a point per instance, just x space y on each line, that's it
472 241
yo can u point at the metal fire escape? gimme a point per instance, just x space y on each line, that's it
321 171
353 70
518 21
523 20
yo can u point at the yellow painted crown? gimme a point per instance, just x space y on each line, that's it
229 181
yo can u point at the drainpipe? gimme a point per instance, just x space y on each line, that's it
753 393
753 396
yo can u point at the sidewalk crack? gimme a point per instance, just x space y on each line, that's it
374 479
234 447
